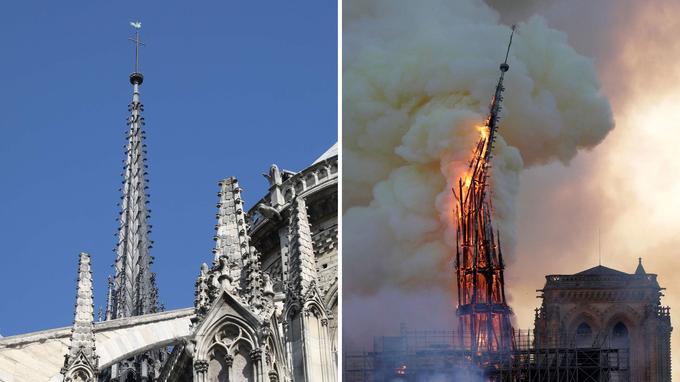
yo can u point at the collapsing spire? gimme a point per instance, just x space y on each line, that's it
483 313
134 289
81 362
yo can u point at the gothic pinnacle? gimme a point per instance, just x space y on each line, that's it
232 242
301 253
82 357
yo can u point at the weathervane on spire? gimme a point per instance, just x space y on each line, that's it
137 25
136 76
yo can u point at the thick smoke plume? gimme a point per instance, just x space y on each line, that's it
417 80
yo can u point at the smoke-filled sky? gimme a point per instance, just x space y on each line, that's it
588 137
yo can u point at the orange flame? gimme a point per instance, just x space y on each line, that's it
483 131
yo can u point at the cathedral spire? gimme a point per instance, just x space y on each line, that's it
80 364
483 312
134 289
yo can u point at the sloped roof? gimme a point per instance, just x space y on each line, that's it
331 152
601 270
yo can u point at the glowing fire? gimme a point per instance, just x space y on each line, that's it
468 174
483 131
483 313
482 308
467 179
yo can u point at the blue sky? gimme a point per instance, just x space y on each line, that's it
230 87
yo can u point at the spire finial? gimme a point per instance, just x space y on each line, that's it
136 77
504 65
599 246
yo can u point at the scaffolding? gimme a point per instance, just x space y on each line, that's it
437 355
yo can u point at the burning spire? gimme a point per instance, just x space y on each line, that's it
483 313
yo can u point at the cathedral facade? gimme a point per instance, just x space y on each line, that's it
609 309
266 302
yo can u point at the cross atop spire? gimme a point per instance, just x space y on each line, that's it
504 65
136 77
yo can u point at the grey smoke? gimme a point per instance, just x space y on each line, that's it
417 80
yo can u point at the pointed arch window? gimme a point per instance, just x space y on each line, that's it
584 336
620 336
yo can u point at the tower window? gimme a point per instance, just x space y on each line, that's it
620 338
584 336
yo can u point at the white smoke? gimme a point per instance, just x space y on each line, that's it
417 78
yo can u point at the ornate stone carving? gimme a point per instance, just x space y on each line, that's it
202 294
201 366
256 355
274 176
229 360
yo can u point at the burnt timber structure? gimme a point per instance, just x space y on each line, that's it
483 313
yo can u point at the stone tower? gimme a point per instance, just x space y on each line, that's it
606 308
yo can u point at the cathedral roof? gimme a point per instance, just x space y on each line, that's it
331 152
601 270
